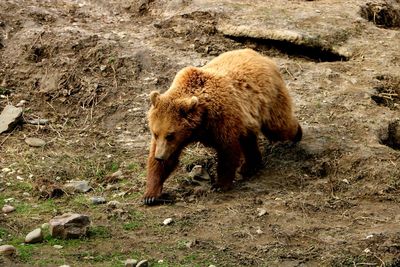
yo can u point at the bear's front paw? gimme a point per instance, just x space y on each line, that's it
218 187
152 201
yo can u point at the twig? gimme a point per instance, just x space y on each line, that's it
7 137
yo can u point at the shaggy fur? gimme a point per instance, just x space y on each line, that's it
226 104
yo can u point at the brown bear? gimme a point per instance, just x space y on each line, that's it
225 104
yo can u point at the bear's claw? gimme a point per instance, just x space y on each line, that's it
152 201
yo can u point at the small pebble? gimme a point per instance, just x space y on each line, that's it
9 200
58 246
259 231
45 226
98 200
20 103
168 221
6 170
26 194
35 236
130 263
261 212
8 208
7 250
38 121
142 263
35 142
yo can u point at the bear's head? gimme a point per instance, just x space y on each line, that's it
173 122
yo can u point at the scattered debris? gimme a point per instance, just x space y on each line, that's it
35 236
37 121
69 225
9 118
97 200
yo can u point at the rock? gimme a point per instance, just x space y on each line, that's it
21 103
261 212
78 186
191 243
8 208
113 204
38 121
142 263
69 225
35 142
9 118
35 236
7 250
98 200
168 221
130 263
64 265
58 246
259 231
45 226
199 173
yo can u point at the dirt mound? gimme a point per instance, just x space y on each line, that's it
382 13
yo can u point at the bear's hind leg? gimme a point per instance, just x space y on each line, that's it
252 155
290 132
228 162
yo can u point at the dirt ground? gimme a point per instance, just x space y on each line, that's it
88 66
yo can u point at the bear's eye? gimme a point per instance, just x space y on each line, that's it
169 137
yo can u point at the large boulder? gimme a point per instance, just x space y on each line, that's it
69 225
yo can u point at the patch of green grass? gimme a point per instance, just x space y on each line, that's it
133 225
3 233
25 252
43 207
99 232
67 243
23 186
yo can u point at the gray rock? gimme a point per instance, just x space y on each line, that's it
58 246
168 221
7 250
9 118
35 236
142 263
98 200
8 208
45 226
35 142
199 173
69 225
262 212
130 263
38 121
78 186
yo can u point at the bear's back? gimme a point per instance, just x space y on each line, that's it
242 64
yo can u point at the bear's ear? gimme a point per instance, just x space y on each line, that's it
189 104
154 97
